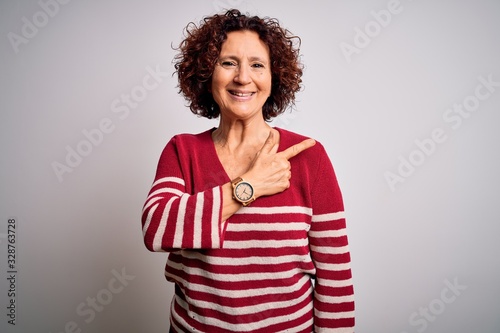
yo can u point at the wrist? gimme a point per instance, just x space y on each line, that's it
243 191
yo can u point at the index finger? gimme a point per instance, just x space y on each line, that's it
298 148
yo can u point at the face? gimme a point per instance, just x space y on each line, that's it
241 82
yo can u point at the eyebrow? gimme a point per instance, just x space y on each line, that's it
254 58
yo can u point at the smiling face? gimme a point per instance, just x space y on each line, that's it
241 82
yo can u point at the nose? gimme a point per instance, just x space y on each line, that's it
243 75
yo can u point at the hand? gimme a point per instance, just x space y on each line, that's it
270 171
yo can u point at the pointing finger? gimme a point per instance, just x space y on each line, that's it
298 148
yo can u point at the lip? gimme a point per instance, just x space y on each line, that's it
241 95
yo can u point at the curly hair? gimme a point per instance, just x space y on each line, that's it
200 50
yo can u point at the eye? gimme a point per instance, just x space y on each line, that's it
227 64
257 65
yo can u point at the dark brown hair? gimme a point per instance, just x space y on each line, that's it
199 52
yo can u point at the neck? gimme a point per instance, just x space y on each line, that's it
234 134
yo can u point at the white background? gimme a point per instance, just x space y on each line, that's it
409 242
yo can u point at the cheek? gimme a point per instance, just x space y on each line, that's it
220 76
216 85
267 82
214 82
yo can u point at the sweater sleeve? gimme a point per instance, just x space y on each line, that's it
333 291
172 217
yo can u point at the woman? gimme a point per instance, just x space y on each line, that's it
252 216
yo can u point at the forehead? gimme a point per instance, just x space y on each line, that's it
244 43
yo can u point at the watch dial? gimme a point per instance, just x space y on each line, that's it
244 191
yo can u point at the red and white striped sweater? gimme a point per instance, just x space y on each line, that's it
281 264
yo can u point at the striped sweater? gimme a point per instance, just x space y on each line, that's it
281 264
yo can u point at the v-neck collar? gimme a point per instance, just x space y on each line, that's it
212 149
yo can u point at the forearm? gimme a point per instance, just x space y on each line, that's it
229 205
173 219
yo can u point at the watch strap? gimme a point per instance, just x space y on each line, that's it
234 183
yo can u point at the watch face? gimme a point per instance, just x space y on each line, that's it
243 191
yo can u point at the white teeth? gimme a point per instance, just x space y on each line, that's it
241 94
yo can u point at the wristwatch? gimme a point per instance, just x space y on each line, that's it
243 191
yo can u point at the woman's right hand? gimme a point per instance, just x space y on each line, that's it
270 171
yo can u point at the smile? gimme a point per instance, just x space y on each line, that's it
241 94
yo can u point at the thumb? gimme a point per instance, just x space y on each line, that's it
271 144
